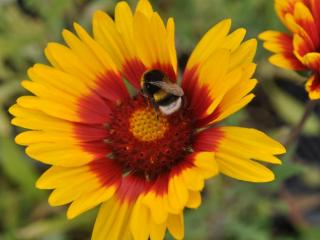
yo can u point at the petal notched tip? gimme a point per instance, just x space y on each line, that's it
145 7
227 22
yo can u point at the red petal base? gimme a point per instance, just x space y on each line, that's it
148 158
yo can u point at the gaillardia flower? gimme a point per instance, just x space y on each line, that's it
108 146
298 50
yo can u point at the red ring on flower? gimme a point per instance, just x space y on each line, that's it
151 145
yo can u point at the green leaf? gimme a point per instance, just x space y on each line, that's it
18 167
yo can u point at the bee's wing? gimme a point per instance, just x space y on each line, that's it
169 87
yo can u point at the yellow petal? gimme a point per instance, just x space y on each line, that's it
233 40
62 196
247 151
158 207
145 7
157 231
100 53
276 42
209 43
112 221
58 79
226 83
124 24
286 61
82 51
67 193
193 179
66 155
50 93
177 193
37 120
254 139
31 137
107 35
140 221
175 225
56 176
64 59
312 60
227 111
243 169
313 87
151 40
194 200
50 107
206 162
238 91
89 200
171 43
244 54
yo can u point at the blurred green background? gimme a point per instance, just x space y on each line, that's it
288 208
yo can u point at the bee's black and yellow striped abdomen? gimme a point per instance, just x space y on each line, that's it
155 85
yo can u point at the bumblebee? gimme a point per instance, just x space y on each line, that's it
162 92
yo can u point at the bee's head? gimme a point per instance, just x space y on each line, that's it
152 76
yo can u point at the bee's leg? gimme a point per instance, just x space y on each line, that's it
154 105
143 93
149 102
156 109
145 98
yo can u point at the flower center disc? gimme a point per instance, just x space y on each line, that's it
146 142
146 125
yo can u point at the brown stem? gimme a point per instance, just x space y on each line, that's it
298 128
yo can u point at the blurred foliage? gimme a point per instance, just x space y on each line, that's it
230 209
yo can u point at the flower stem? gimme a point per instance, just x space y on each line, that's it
295 132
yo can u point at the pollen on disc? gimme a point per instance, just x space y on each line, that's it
146 125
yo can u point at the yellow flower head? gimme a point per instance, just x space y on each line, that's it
107 147
300 49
